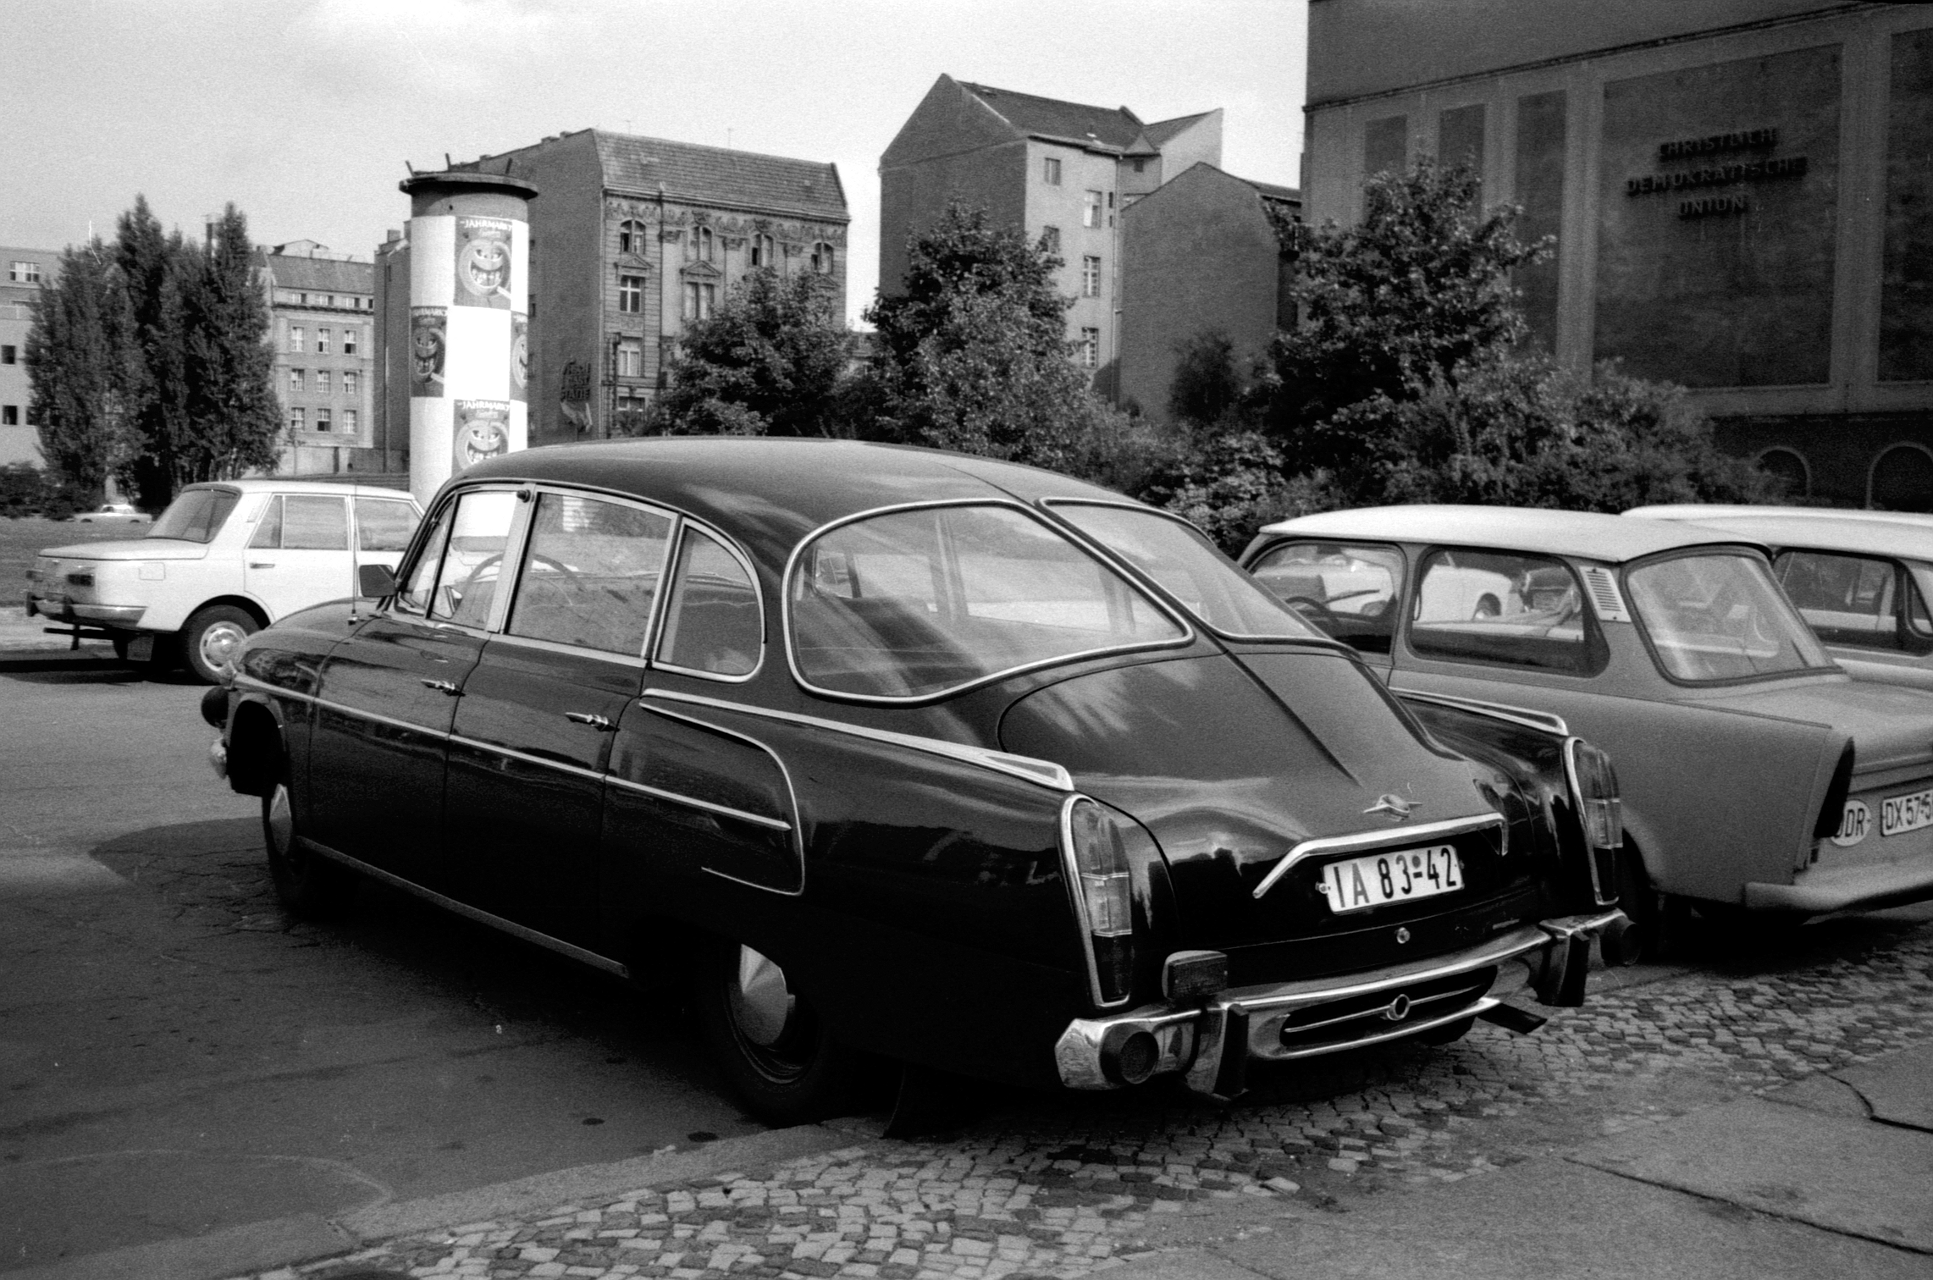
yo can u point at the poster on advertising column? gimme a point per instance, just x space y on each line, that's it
482 431
519 357
483 263
428 348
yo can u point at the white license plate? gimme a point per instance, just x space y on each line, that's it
1398 876
1906 813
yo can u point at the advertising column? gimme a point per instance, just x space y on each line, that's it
469 285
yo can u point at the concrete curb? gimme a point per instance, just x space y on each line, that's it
301 1238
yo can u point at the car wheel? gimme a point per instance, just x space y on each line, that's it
213 638
306 883
768 1040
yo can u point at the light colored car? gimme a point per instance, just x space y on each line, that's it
1755 773
1862 581
113 513
223 561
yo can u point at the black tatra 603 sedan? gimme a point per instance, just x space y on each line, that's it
890 753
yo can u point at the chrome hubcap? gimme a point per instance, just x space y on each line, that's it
220 643
762 1003
281 822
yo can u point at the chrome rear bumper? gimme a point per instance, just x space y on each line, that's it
1214 1044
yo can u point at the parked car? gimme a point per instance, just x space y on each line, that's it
223 561
113 513
901 753
1861 584
1723 510
1756 775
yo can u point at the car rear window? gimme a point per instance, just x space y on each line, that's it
1504 608
916 602
196 516
1720 617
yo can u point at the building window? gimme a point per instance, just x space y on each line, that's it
1050 239
698 300
1050 171
322 382
1091 348
295 337
303 298
1090 276
298 419
296 382
322 420
350 338
348 384
764 252
8 355
630 293
349 421
9 415
1140 166
698 245
1091 210
24 272
630 359
322 342
630 237
822 258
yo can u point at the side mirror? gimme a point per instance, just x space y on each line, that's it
375 581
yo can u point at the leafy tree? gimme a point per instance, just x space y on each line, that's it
769 362
232 418
157 270
1206 385
82 370
972 355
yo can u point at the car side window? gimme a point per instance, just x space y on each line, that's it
473 561
384 524
712 623
413 595
268 530
591 573
314 523
1506 609
1858 601
1349 590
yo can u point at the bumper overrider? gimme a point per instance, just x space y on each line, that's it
1212 1042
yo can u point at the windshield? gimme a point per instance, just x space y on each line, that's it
1720 617
196 516
1188 566
914 603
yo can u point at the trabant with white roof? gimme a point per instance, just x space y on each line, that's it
1755 773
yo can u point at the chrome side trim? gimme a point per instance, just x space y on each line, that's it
1366 840
1041 772
1180 618
571 650
511 753
693 802
1575 785
1524 716
544 940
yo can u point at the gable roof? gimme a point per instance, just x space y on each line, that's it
1161 130
1109 128
330 275
720 175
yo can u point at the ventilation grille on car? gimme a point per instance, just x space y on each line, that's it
1605 595
1342 1022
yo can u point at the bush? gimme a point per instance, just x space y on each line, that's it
27 490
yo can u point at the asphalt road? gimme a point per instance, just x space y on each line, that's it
177 1056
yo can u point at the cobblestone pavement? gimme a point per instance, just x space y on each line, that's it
1061 1186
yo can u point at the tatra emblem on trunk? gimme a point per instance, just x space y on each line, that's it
1395 806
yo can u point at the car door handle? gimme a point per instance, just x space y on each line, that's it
443 686
261 564
600 723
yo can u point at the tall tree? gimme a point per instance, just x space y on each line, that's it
232 419
768 363
83 369
157 270
972 354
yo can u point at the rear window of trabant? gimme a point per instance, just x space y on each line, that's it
920 601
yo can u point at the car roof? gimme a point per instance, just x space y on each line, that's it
272 484
1705 512
771 492
1587 535
1865 537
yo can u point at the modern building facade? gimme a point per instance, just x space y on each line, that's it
1062 171
632 238
1205 253
322 318
25 270
1741 193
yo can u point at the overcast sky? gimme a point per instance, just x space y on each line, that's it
304 113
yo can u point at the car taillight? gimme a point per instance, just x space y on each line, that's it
1103 883
1594 786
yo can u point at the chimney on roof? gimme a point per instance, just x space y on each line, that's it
392 235
208 221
